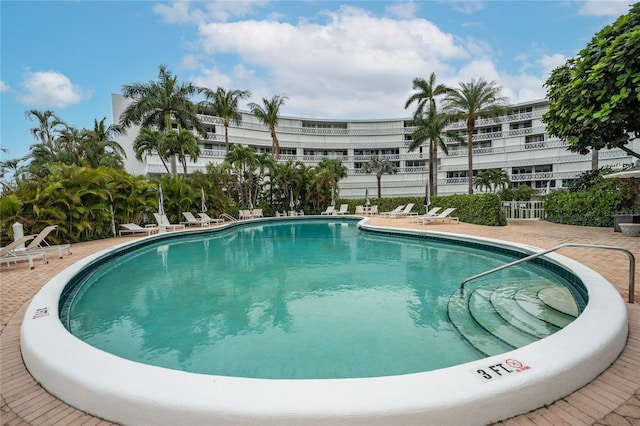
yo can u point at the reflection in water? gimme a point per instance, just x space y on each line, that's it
299 299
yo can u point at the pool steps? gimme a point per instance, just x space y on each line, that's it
500 316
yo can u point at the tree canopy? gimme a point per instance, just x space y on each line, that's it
595 97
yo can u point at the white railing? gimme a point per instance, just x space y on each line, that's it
523 209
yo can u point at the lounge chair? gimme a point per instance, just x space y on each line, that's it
14 252
433 212
442 217
392 212
359 210
134 228
210 219
404 212
329 211
257 213
344 209
191 220
163 223
244 214
39 243
373 211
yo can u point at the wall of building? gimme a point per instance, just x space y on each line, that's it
516 143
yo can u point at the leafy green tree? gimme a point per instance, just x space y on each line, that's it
472 101
224 104
492 180
379 166
430 126
426 92
101 149
595 97
182 144
269 114
243 160
150 141
337 171
157 103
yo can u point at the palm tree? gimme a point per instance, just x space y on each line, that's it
157 103
472 101
48 123
182 144
379 166
150 142
430 126
336 170
492 179
243 161
224 104
269 115
426 92
101 148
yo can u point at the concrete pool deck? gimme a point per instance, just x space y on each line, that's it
612 399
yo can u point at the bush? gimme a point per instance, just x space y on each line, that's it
594 206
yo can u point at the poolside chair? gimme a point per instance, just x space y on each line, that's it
134 228
39 243
191 220
14 252
404 212
344 209
257 213
329 211
394 211
433 212
442 217
373 210
163 223
209 219
359 210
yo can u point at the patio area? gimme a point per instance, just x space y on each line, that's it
612 399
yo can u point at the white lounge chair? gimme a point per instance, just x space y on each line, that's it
15 252
329 211
394 211
373 211
191 220
257 213
209 219
163 223
344 209
404 212
442 217
433 212
134 228
39 243
359 210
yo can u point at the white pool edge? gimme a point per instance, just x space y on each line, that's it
136 394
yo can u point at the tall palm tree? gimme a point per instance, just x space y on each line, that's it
157 103
472 101
492 180
243 161
224 104
269 113
430 126
48 125
183 144
101 148
379 166
426 93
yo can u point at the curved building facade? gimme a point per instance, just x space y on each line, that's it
517 143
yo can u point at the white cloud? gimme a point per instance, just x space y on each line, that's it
404 10
219 10
50 88
467 6
604 8
548 63
4 87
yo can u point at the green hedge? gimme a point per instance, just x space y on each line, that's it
589 207
480 209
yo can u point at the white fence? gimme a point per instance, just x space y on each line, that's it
523 209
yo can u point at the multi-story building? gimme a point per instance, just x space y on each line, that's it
517 143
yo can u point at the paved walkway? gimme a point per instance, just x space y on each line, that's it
612 399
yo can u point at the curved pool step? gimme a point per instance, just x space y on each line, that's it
529 300
504 301
502 315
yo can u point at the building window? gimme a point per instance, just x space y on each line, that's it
520 125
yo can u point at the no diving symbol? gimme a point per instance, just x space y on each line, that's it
514 363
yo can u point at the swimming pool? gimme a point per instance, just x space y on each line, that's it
451 395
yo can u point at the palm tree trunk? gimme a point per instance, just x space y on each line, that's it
379 190
433 161
470 126
174 165
226 134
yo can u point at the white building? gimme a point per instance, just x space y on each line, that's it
517 143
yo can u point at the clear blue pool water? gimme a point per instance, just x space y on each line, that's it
300 299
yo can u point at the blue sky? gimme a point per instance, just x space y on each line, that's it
332 59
